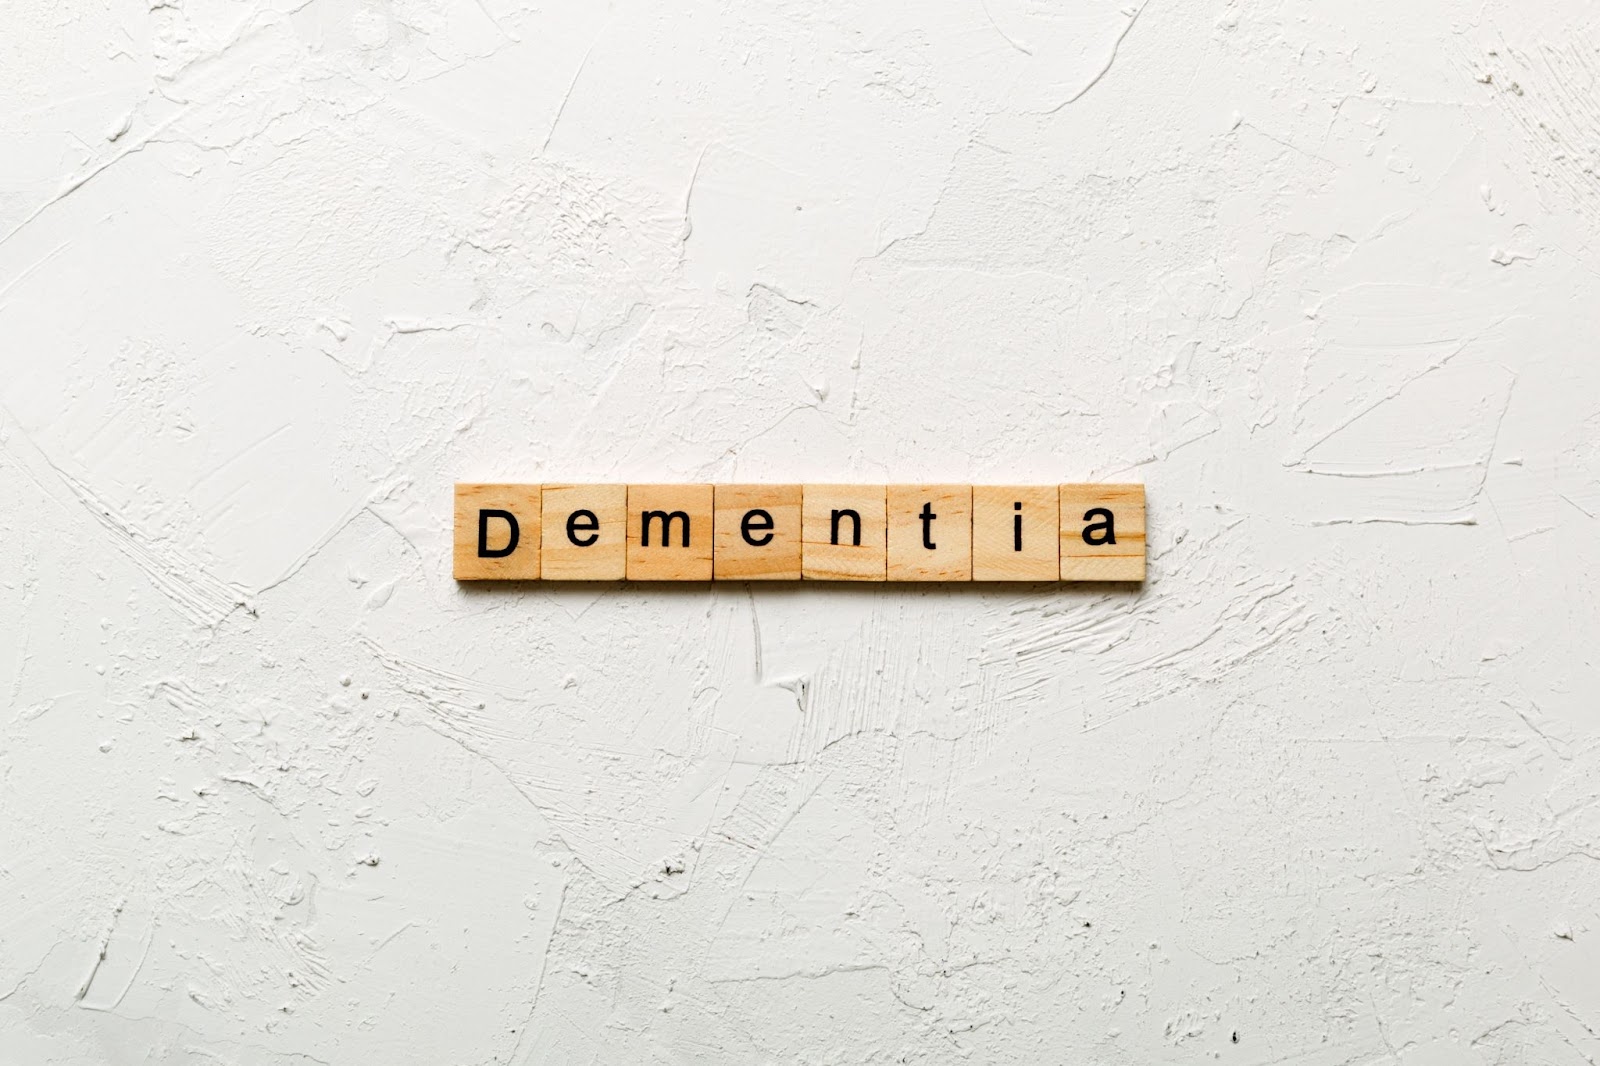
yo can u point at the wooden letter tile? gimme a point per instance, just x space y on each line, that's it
757 533
585 532
497 532
846 538
930 532
669 532
1016 533
1102 533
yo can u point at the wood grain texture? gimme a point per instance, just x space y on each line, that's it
822 559
949 532
675 544
1016 533
1084 511
577 547
480 510
770 514
574 532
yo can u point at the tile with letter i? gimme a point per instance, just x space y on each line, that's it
1016 533
930 532
1102 533
496 532
585 533
669 532
845 532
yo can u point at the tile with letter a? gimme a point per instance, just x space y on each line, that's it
585 533
1016 533
757 535
669 532
1102 532
930 532
496 532
845 532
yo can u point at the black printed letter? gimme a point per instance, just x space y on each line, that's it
591 522
927 517
1106 529
855 523
486 552
666 527
1016 528
757 520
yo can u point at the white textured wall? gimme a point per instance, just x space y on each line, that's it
274 791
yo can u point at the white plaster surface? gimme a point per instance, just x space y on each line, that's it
274 791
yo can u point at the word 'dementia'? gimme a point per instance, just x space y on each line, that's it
1079 532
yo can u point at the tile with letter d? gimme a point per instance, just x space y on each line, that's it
757 534
1016 533
585 533
930 532
496 532
845 532
1102 532
669 532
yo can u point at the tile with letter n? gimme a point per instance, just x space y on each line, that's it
669 532
1016 533
930 532
757 534
496 532
845 532
1102 533
585 533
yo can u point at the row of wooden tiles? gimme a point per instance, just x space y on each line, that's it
1080 532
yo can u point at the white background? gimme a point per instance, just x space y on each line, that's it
275 791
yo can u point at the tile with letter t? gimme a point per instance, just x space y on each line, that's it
585 533
496 532
930 532
845 532
1102 532
669 532
757 535
1016 533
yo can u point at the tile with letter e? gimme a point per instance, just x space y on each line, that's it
845 532
1016 533
757 535
585 533
496 532
930 532
1102 532
669 532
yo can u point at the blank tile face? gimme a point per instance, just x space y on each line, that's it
496 532
1102 532
669 532
930 532
585 533
1016 533
845 532
757 535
